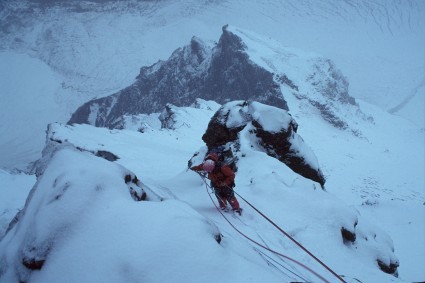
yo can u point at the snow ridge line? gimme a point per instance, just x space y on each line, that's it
266 248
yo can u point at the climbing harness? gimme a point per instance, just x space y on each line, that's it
281 230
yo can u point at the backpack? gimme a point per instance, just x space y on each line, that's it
225 156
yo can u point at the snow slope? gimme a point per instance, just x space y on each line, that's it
173 240
379 174
27 104
14 189
159 158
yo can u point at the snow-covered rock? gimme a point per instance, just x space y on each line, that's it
195 71
272 130
82 214
241 66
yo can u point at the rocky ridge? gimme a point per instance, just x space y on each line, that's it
225 72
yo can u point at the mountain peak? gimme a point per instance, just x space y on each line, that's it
233 69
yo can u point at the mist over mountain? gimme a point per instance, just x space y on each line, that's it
96 48
104 100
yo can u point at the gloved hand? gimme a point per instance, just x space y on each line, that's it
194 168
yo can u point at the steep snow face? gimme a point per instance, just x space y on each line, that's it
308 79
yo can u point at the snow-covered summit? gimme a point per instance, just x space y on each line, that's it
242 65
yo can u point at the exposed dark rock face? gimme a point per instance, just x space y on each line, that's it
278 140
222 73
330 82
217 237
33 264
347 235
389 268
218 133
167 118
328 115
132 181
106 155
232 76
228 71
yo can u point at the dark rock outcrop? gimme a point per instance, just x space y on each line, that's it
107 155
275 132
347 235
222 73
132 181
230 70
33 264
390 268
233 76
167 118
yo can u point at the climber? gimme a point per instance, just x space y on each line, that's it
222 181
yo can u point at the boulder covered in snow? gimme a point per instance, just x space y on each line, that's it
272 130
81 207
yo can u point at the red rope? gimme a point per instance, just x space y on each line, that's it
257 243
292 239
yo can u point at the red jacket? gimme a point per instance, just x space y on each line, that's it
221 176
